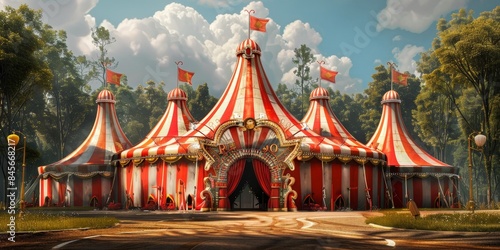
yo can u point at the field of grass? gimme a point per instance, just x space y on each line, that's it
39 221
468 222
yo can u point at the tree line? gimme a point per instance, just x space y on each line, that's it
45 93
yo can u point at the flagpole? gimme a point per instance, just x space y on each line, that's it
391 65
105 65
249 13
320 62
178 63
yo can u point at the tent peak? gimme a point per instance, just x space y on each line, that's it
248 49
319 93
105 96
177 94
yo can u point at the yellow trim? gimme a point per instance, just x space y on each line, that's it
151 159
344 159
137 161
171 158
326 158
123 163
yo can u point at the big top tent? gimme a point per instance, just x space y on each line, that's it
86 176
414 173
248 140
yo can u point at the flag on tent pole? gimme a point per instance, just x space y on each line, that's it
258 24
399 78
326 74
184 76
113 77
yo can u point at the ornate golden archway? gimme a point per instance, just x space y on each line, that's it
257 139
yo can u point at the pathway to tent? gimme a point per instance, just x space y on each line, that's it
248 230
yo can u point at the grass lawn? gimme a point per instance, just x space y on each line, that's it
468 222
45 220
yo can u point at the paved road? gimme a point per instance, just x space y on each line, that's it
250 230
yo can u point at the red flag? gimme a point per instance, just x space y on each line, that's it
258 24
184 76
113 77
328 75
399 78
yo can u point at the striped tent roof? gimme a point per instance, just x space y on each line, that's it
176 121
321 119
392 138
95 153
249 94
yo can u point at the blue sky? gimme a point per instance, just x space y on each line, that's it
351 36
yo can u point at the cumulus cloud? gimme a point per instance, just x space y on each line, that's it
415 15
148 48
396 38
405 58
70 16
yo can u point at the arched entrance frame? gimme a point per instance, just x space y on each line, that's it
259 139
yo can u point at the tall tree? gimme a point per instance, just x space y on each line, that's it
434 117
435 121
303 58
22 71
469 54
67 105
101 39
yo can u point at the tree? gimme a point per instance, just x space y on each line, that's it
348 109
202 102
22 71
289 99
468 52
142 114
101 39
434 116
435 121
303 58
67 105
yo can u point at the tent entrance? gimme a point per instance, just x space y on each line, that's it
248 194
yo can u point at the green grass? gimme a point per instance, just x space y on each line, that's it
468 222
40 221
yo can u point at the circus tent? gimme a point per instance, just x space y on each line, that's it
248 128
143 177
85 176
413 173
358 181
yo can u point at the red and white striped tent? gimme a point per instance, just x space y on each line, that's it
360 181
85 177
413 173
247 127
142 177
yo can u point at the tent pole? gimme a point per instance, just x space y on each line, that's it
112 185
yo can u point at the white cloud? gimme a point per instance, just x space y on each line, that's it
148 48
396 38
405 58
415 15
70 16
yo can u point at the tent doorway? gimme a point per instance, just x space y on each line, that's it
248 194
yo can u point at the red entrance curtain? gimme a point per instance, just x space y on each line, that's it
234 176
263 175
